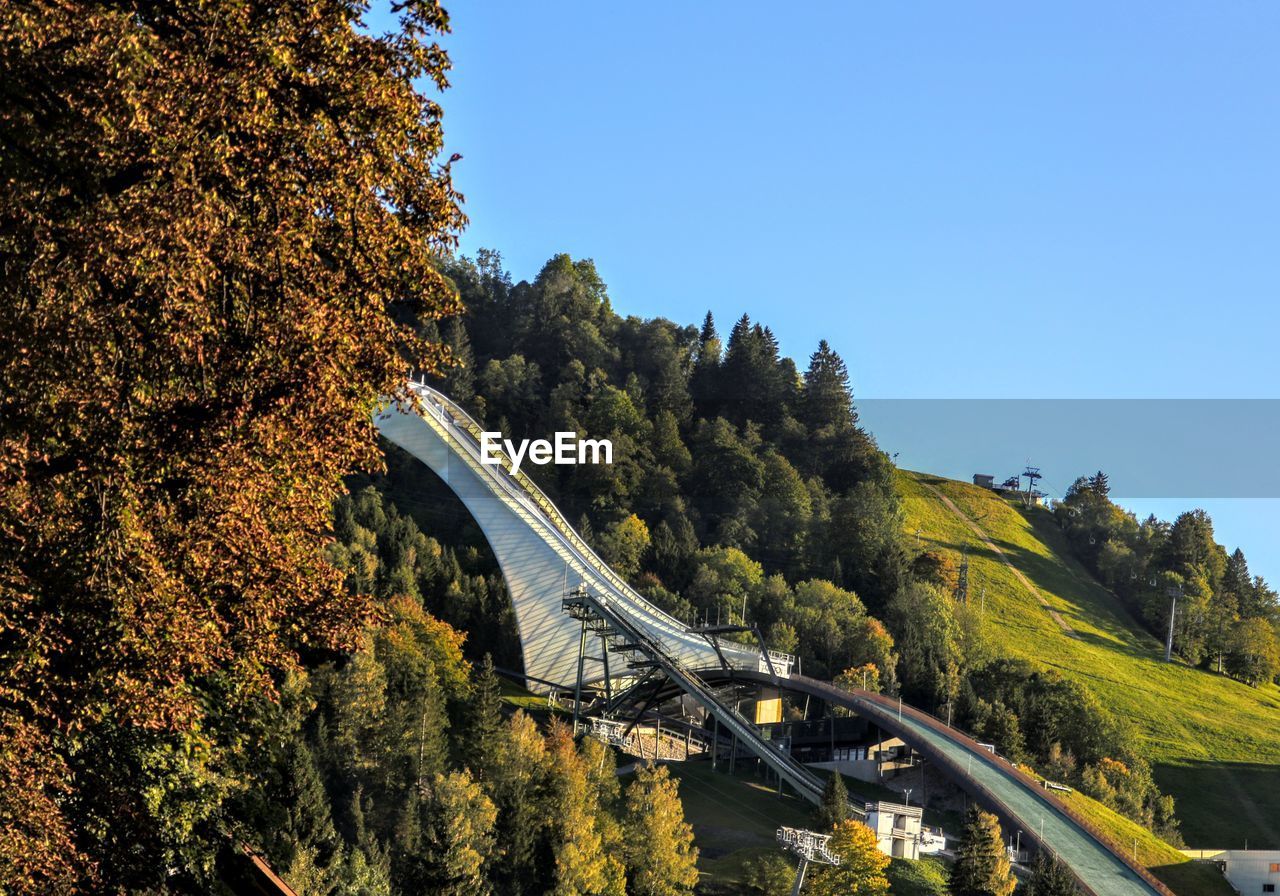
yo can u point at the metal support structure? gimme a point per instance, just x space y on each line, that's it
808 846
604 660
764 652
577 687
601 613
646 706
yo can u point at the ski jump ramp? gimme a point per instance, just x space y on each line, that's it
544 561
541 556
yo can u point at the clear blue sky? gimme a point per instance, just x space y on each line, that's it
971 200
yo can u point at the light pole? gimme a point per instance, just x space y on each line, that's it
1017 850
908 795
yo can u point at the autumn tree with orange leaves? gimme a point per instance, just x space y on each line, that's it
218 226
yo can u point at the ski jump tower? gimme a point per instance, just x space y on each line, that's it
563 593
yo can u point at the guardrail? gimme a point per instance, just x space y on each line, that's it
448 413
884 707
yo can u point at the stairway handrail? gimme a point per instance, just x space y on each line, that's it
552 514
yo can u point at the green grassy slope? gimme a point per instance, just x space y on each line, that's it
734 818
1213 743
1184 877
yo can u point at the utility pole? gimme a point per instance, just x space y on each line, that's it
1174 594
1032 474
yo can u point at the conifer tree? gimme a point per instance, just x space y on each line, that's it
460 376
1050 876
661 857
458 841
827 399
982 864
708 333
519 785
1100 484
485 735
704 382
305 843
835 803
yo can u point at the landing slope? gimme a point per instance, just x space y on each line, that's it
1213 743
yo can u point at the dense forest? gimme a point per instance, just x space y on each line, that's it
1224 618
229 229
743 486
396 769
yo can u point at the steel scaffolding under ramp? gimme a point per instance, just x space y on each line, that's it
609 621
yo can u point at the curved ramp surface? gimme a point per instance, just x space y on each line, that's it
543 560
1097 863
541 556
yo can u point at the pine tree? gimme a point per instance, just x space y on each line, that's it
1050 876
308 822
749 376
834 809
519 783
982 864
1003 730
704 382
862 864
661 857
1237 581
708 333
458 843
306 841
1100 485
460 378
827 400
485 735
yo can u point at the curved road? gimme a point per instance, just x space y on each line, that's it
1095 863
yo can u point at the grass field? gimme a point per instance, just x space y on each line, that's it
1213 743
1184 877
734 818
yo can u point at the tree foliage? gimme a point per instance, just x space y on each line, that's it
862 864
661 857
1151 563
982 865
220 232
1050 876
834 808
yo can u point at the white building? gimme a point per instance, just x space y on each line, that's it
897 828
1249 871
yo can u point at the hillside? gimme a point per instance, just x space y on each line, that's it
1213 743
